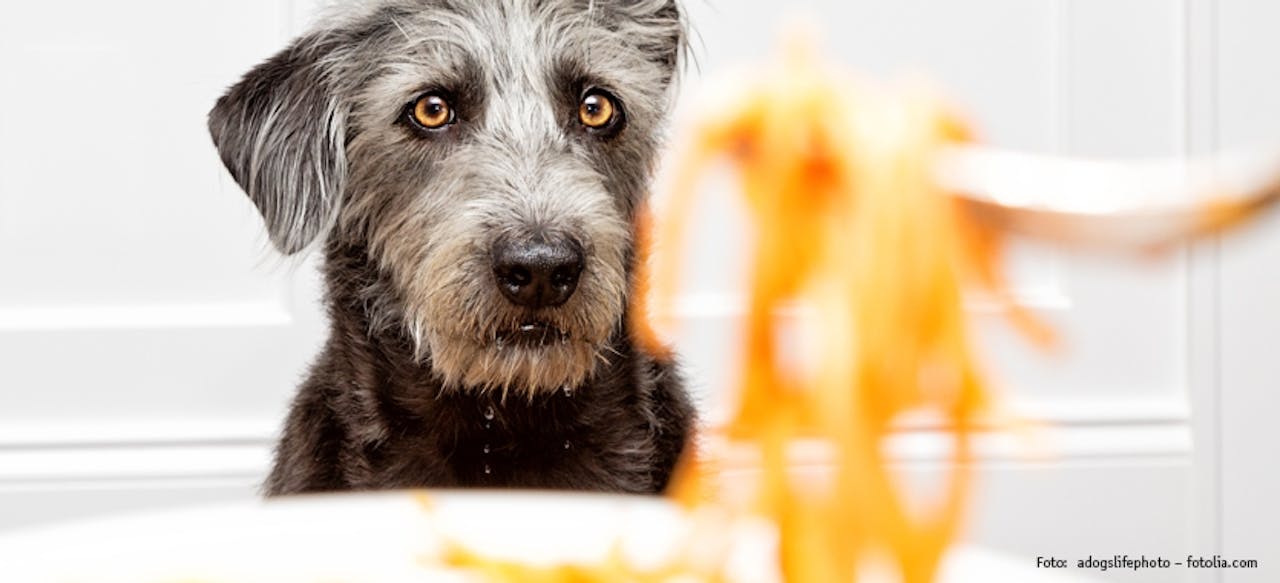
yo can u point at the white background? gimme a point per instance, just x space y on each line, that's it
149 344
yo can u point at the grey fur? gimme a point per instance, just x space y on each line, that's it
315 136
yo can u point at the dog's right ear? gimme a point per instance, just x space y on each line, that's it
281 131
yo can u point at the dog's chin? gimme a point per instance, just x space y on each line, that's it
532 358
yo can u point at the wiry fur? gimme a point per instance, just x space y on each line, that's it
414 358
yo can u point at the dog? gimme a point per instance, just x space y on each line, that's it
472 171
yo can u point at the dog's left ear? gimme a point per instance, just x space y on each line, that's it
672 43
665 32
281 131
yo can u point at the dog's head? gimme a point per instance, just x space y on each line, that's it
488 154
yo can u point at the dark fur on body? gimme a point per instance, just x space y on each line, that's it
415 387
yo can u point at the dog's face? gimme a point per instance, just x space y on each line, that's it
488 154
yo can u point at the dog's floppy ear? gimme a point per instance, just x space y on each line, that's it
662 30
281 132
672 45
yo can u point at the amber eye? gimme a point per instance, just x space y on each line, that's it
432 112
597 111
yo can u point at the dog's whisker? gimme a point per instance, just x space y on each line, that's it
396 22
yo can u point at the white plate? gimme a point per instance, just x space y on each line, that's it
390 537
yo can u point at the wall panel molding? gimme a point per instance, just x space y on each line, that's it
53 455
251 314
1199 133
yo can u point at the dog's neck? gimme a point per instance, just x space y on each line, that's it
362 306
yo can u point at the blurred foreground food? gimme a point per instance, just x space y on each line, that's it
838 179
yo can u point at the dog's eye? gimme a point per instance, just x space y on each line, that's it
597 110
432 112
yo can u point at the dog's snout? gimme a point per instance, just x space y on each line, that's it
537 273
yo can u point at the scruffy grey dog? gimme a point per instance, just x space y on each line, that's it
473 168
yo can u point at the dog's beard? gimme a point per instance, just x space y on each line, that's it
507 366
494 347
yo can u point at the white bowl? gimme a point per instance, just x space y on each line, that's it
392 537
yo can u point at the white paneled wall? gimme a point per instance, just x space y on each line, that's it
148 344
1247 110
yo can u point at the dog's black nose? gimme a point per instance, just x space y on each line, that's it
537 273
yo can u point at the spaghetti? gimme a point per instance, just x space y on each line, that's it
848 220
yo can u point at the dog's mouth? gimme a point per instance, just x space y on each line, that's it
532 335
